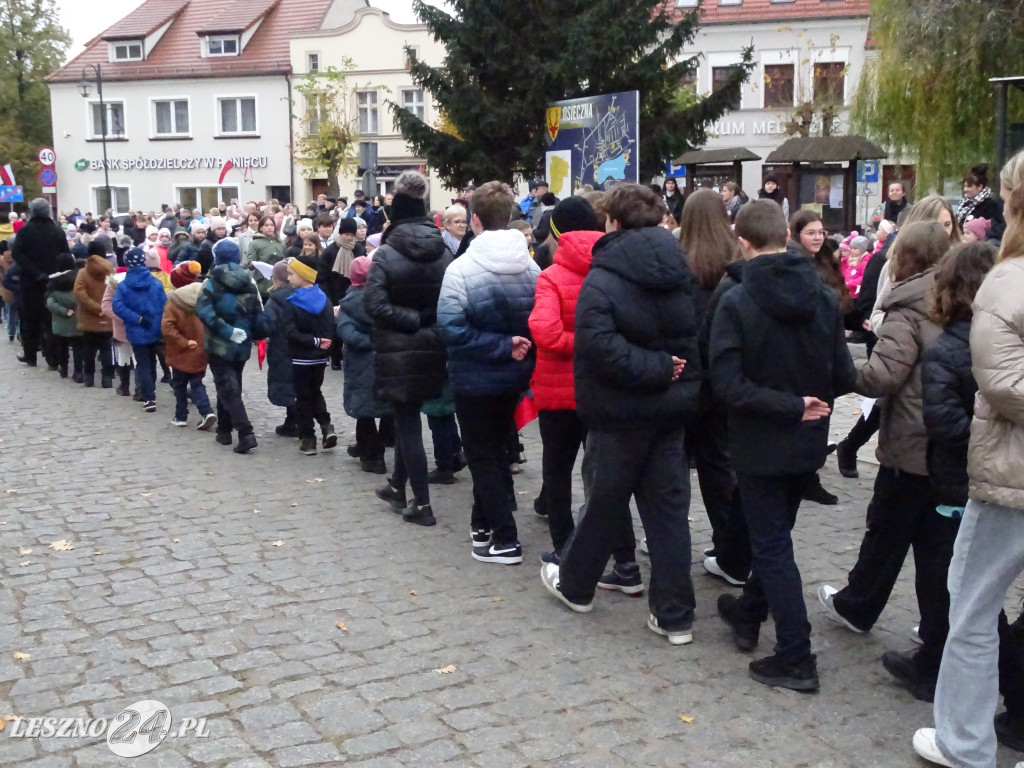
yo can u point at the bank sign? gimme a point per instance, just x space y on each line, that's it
141 163
594 140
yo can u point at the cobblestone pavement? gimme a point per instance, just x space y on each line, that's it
214 583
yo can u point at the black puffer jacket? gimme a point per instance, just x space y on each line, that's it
776 338
401 298
35 250
634 313
948 389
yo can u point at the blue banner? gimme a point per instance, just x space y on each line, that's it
594 140
12 194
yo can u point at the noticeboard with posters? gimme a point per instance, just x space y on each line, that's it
593 140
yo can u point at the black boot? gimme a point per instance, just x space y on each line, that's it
89 379
814 492
373 466
106 382
1010 730
307 446
78 377
124 374
27 359
903 666
846 456
63 371
441 477
419 515
330 436
245 443
286 430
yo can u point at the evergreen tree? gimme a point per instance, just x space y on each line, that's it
927 94
32 45
507 60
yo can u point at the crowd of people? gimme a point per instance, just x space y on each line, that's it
655 331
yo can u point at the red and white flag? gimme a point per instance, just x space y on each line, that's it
7 176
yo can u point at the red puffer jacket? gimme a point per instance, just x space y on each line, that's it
553 320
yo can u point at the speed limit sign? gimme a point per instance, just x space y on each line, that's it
47 156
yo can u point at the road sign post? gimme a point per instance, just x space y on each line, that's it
47 157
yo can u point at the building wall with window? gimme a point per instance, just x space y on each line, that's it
169 140
376 46
807 50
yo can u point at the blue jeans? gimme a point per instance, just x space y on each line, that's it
770 504
145 370
987 558
13 319
181 383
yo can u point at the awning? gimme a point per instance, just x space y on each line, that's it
712 156
826 149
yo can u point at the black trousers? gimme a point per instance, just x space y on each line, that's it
410 458
368 439
645 464
862 431
227 378
901 515
771 504
35 319
97 343
62 345
561 433
485 439
310 407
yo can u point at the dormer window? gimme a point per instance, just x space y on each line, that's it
222 45
128 50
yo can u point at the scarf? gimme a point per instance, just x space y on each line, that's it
344 258
967 205
450 241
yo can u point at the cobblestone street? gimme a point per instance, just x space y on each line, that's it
216 583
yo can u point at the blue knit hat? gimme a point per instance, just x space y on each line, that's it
135 257
226 252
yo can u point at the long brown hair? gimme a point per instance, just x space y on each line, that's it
922 244
1012 179
706 237
957 279
315 240
824 260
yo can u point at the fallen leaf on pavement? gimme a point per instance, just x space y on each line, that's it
97 552
686 719
27 562
341 625
205 508
175 541
858 412
62 546
145 495
413 592
19 656
496 599
134 418
8 719
690 519
446 670
12 490
294 504
255 511
277 543
24 550
4 523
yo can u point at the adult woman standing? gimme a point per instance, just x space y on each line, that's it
453 228
673 198
770 190
733 198
989 551
978 203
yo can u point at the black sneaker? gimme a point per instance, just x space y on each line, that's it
419 515
814 492
393 496
623 579
78 377
1010 731
846 456
479 537
554 557
286 430
307 446
63 371
353 450
773 671
245 443
373 466
744 633
224 438
459 462
330 437
27 360
903 667
440 477
503 554
106 382
539 507
166 378
149 406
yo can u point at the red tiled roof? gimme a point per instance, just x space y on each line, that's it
767 10
177 54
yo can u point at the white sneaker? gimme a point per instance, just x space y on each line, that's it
179 423
676 636
711 566
642 546
549 575
925 746
825 593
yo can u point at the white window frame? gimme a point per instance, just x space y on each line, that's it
211 39
153 134
90 104
225 192
94 190
735 2
218 128
127 45
422 104
309 62
686 3
374 108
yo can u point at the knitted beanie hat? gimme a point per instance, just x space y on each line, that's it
135 257
358 270
347 226
226 252
280 271
185 273
408 201
978 227
195 225
152 258
571 215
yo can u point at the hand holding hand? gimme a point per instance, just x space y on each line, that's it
815 409
192 344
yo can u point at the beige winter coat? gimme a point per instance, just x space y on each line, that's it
995 460
893 373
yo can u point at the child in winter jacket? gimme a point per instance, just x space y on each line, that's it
308 325
60 300
139 302
280 390
184 345
229 307
95 327
120 349
154 263
354 326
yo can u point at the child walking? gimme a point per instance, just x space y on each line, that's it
184 343
60 300
280 390
139 302
308 325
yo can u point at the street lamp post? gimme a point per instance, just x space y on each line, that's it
83 88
